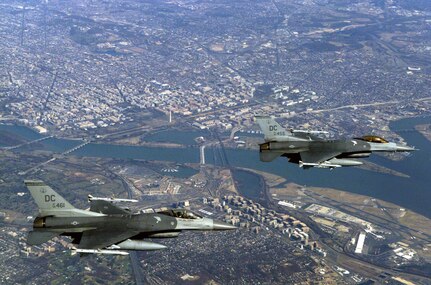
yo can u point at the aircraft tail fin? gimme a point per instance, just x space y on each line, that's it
45 197
50 203
271 129
39 237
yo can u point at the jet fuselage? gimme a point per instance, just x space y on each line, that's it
146 222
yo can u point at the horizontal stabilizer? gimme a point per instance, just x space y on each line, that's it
269 156
39 237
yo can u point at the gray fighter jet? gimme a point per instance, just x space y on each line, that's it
106 228
308 150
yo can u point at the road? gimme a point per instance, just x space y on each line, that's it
352 261
365 105
134 261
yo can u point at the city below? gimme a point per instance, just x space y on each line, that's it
156 101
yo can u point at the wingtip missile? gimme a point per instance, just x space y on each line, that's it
311 132
325 164
98 251
92 198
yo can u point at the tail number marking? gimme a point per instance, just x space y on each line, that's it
49 198
275 131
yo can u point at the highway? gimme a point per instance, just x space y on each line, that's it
134 261
365 105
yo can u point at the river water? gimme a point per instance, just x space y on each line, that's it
413 193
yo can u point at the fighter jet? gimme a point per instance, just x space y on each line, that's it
106 228
308 149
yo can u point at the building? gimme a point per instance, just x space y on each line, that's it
360 243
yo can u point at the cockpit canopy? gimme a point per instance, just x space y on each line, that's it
181 213
373 139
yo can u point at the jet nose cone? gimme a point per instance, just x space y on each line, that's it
220 226
405 148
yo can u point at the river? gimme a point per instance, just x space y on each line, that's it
413 193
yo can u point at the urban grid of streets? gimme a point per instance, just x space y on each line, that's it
105 70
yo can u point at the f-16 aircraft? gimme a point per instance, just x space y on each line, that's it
106 228
308 150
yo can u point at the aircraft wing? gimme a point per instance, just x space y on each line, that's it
101 238
317 157
107 208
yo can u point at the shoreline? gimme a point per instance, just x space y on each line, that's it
395 186
275 183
